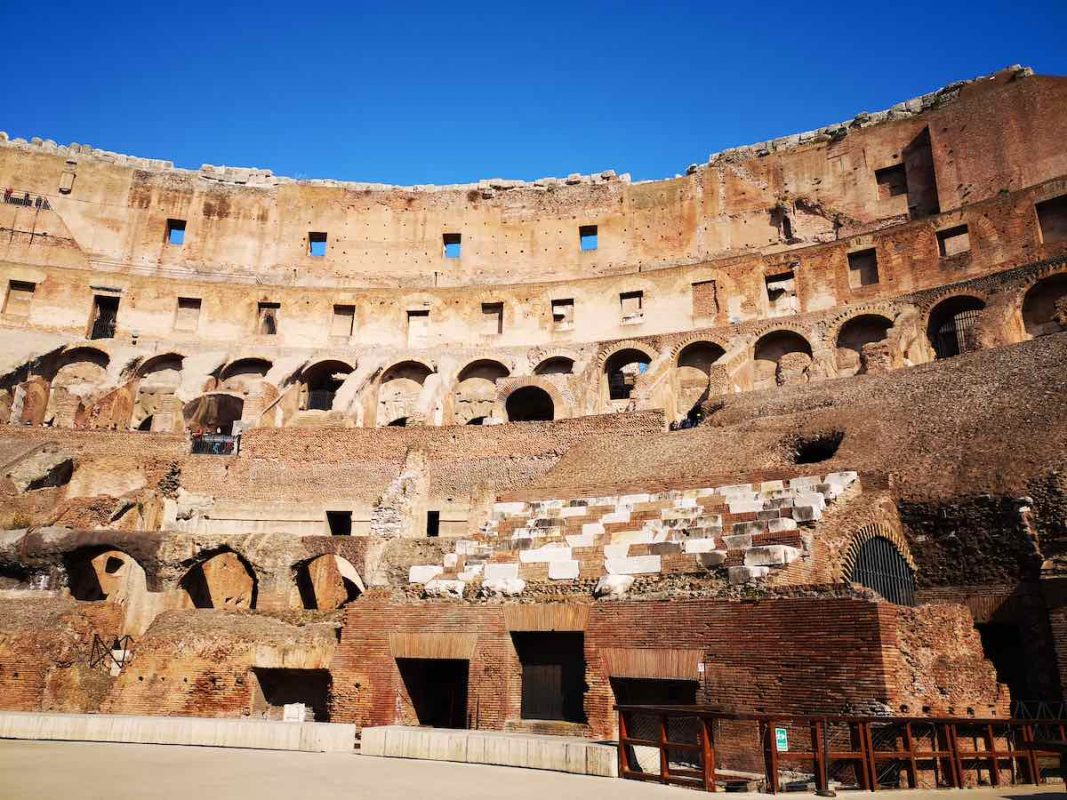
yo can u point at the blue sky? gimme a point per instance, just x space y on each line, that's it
410 92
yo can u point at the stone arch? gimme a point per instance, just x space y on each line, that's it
555 365
399 390
695 377
619 369
327 582
79 373
879 558
221 578
530 403
1044 306
103 572
952 325
245 376
155 400
474 395
856 342
780 357
319 383
213 411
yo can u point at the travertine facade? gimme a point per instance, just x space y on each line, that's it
794 414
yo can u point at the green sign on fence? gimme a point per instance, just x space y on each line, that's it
781 740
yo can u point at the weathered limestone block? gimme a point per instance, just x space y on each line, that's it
471 573
503 587
632 565
714 558
699 545
770 555
746 506
739 542
563 570
781 525
613 586
810 513
581 540
616 550
41 470
424 573
739 575
545 554
615 517
592 528
501 572
444 588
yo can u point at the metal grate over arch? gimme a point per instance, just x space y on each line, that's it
880 566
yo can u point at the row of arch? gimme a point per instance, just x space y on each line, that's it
219 578
486 389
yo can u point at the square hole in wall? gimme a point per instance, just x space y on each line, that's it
344 320
563 314
453 244
953 241
267 318
418 321
862 268
176 232
631 305
1052 218
104 318
892 181
187 314
316 244
340 522
705 299
782 293
588 237
19 297
492 318
433 523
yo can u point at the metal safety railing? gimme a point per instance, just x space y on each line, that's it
704 749
215 444
117 654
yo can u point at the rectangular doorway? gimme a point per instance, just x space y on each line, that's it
553 675
276 688
438 690
654 691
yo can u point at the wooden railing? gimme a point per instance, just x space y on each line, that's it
699 747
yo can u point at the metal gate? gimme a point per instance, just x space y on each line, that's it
957 334
880 566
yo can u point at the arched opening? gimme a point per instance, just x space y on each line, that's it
557 365
320 383
79 374
158 381
225 580
477 421
103 573
1045 306
692 375
780 358
213 413
328 582
245 376
880 566
399 422
953 326
854 336
530 404
399 391
475 393
622 370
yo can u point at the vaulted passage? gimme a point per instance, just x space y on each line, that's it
530 404
953 326
879 565
437 688
277 688
223 581
553 675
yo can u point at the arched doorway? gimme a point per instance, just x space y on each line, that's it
103 573
621 371
692 374
475 393
1045 306
779 358
399 391
880 566
213 413
328 582
158 381
856 334
530 404
225 580
953 326
80 373
556 365
320 383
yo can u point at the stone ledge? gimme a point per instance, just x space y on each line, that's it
531 751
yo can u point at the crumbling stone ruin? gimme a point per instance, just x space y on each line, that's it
783 434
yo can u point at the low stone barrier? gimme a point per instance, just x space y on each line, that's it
318 737
558 753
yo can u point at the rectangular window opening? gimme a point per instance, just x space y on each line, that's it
187 314
892 181
588 237
340 523
705 299
267 318
563 314
453 243
1052 218
433 524
344 320
632 306
105 317
782 293
492 318
316 244
862 268
953 241
176 232
19 297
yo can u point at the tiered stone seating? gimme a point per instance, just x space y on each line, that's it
746 529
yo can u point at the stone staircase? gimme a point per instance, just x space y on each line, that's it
746 529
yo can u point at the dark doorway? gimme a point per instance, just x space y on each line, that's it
1002 644
433 523
105 314
654 692
553 675
530 404
278 687
340 522
438 690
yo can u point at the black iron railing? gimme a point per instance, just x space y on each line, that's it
216 444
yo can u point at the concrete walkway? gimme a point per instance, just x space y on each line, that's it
91 771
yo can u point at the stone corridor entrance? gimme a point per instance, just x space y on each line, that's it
438 690
553 675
